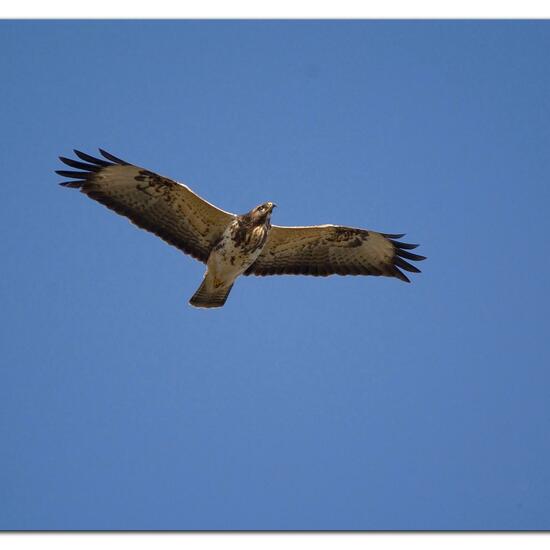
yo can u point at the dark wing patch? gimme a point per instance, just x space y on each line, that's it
333 250
165 207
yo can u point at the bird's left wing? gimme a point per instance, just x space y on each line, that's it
165 207
323 250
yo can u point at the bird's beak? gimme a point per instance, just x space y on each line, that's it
273 205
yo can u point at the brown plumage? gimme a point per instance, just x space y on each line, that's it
232 245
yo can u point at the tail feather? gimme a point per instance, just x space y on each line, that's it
208 297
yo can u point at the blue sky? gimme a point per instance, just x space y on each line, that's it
305 403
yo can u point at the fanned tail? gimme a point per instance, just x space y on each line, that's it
210 297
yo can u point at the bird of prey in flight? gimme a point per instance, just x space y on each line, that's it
229 244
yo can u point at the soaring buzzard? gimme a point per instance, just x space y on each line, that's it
232 245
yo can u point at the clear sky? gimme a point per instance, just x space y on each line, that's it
304 403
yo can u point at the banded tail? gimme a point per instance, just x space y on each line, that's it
209 296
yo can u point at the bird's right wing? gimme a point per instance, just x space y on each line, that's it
323 250
163 206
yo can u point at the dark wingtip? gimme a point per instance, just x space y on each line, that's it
399 262
81 165
84 170
89 158
71 184
400 275
409 255
72 174
399 244
112 158
65 160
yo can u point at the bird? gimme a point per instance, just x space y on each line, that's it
229 244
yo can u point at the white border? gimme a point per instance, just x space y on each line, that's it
286 9
254 541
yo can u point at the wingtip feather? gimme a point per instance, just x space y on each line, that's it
111 157
71 184
409 255
400 275
399 262
89 158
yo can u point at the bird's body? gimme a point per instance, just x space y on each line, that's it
231 245
240 245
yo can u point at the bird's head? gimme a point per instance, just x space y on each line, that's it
262 214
